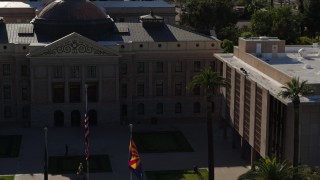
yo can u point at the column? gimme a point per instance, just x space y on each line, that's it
66 84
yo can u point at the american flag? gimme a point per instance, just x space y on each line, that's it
86 136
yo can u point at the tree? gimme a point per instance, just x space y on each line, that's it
293 90
312 16
210 81
269 169
208 14
227 46
280 22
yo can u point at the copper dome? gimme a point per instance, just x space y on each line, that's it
72 10
62 17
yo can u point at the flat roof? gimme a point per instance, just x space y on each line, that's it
273 86
14 4
293 65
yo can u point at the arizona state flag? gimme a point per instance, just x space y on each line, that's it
134 160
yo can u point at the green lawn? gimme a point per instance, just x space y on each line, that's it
10 146
70 164
161 142
177 175
6 177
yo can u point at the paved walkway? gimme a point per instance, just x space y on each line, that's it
114 141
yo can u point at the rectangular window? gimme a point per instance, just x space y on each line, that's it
58 93
24 70
196 91
124 90
124 110
57 72
178 89
123 68
7 92
178 67
92 93
7 112
159 89
213 65
25 112
6 69
92 71
75 72
140 68
140 89
196 66
75 93
24 93
159 67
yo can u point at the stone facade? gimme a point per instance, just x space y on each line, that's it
263 121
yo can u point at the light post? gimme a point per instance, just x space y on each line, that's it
45 154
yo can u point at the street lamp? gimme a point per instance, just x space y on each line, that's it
45 154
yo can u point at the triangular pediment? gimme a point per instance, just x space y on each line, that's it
73 44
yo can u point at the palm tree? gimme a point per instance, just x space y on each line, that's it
293 90
269 169
209 80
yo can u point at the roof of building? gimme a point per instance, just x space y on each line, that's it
68 10
292 64
123 32
273 86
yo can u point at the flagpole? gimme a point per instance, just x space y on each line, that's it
45 154
86 90
131 126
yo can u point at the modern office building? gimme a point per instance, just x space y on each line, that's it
263 121
135 72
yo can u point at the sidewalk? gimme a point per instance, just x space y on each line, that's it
114 141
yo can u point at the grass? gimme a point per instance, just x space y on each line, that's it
6 177
70 164
161 142
177 175
10 146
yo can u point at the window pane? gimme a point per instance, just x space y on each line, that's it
92 93
7 112
7 92
196 107
178 89
58 93
178 66
159 89
140 89
6 69
24 70
124 90
75 71
140 67
140 109
159 108
123 68
178 108
213 65
196 66
24 94
75 93
124 110
159 67
196 91
57 72
92 72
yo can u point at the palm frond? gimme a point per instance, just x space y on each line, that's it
294 89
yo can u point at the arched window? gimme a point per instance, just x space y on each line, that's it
178 108
75 118
93 117
159 108
140 109
58 118
196 107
